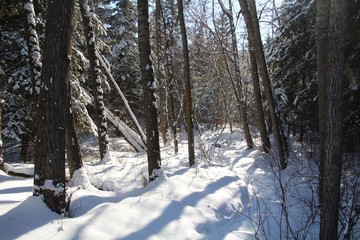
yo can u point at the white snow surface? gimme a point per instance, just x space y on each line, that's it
221 197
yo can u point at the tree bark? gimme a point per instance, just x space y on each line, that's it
322 29
147 74
2 80
49 178
252 25
258 104
188 100
332 123
35 74
73 152
97 90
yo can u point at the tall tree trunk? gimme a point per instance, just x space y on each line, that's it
252 25
168 29
35 74
258 104
49 178
147 74
160 76
240 91
332 162
188 100
2 80
95 79
322 29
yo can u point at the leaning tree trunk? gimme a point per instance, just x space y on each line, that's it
331 165
240 91
147 74
188 100
95 79
49 178
252 25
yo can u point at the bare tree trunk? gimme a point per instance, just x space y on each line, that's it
322 29
49 178
152 133
168 28
160 76
2 80
73 152
95 79
35 74
240 91
252 25
188 100
258 104
332 162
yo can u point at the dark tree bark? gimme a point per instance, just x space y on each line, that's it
322 29
331 165
239 92
147 74
97 90
248 10
188 100
49 179
2 80
258 104
73 152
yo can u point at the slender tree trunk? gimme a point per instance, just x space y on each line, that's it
95 79
240 91
74 157
110 77
49 178
188 100
35 74
152 133
258 104
160 76
252 25
332 162
2 80
168 29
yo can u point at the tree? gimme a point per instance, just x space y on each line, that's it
239 92
188 100
2 80
331 39
248 10
97 89
49 178
35 74
152 132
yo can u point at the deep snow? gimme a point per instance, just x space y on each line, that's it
231 193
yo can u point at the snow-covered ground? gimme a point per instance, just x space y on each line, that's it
231 193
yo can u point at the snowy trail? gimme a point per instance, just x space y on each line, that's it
222 197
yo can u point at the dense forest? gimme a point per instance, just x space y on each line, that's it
156 73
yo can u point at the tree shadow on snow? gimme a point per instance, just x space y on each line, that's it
174 210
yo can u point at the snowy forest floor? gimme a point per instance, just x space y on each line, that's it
231 193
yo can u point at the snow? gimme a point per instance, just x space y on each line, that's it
225 196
